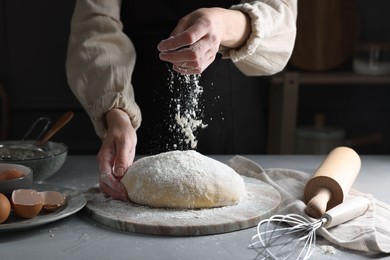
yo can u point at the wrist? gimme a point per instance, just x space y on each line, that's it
237 29
115 116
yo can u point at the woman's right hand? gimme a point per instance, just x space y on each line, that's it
116 153
196 39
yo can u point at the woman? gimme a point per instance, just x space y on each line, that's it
117 67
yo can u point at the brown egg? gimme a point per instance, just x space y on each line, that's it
10 174
5 208
26 203
52 200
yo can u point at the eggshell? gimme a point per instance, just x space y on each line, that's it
5 208
52 200
26 203
11 174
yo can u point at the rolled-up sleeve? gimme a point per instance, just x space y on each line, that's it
272 38
100 62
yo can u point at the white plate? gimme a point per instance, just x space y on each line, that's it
74 202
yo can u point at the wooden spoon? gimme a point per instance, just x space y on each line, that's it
55 128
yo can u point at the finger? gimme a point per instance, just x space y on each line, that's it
187 65
187 71
112 186
125 153
121 162
112 182
114 194
195 67
182 55
185 38
124 157
175 42
106 157
182 25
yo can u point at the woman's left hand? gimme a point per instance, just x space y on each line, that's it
116 153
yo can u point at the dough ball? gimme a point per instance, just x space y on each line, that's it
183 179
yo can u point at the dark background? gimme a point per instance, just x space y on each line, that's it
33 40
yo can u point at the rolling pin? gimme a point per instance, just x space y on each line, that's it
332 181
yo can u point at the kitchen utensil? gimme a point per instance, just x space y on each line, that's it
22 149
55 128
24 182
372 59
75 201
332 181
26 149
43 166
293 236
46 121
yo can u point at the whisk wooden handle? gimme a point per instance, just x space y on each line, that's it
348 210
332 181
64 119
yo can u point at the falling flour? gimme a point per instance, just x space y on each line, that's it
188 112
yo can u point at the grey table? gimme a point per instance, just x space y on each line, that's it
78 237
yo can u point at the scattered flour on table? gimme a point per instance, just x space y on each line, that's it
326 249
188 113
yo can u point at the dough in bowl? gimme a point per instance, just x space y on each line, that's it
183 179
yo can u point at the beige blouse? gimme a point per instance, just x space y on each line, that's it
101 58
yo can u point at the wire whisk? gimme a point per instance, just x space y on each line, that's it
276 240
46 124
293 236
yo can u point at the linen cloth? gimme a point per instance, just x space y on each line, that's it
368 233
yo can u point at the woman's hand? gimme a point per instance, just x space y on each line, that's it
116 153
197 37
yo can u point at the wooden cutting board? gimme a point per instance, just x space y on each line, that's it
261 202
327 32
